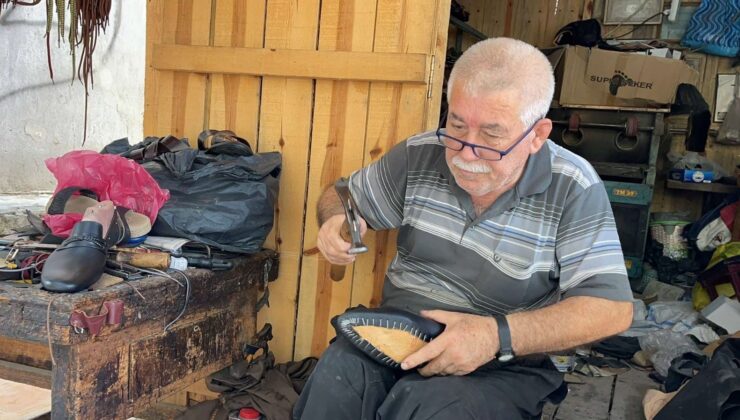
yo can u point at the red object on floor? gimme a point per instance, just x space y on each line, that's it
249 413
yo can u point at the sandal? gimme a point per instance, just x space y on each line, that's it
152 147
223 142
127 224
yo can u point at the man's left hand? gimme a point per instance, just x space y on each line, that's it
468 342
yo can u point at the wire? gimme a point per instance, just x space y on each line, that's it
157 272
16 270
167 275
187 298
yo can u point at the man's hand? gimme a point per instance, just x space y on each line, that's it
330 242
468 342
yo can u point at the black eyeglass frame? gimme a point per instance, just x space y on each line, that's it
440 134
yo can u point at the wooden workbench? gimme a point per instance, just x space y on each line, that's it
128 367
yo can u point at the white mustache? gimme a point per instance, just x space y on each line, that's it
474 167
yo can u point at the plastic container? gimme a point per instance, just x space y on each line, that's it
667 230
564 362
249 413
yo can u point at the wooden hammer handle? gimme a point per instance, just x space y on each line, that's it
337 271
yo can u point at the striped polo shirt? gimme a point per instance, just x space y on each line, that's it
550 237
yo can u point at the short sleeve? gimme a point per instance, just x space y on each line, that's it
588 249
379 189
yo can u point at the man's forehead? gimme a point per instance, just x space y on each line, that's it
491 124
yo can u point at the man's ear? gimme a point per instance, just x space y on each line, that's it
542 129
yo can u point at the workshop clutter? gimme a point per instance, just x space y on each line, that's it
103 177
146 208
222 195
592 76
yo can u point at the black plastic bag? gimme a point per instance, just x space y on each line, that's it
222 200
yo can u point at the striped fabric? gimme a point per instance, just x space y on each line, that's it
552 236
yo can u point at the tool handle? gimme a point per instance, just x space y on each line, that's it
337 271
210 263
160 260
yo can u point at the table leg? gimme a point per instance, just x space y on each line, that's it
90 381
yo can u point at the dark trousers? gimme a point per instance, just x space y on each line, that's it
346 384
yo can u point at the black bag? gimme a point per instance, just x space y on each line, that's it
220 199
586 33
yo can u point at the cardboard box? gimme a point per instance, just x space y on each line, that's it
724 312
595 77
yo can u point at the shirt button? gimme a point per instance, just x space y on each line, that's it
496 257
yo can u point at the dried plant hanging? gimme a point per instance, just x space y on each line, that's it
92 17
87 19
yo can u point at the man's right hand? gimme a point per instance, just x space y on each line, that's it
330 241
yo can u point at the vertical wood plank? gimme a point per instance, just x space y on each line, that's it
558 14
439 52
588 10
155 22
340 110
235 100
177 102
285 126
396 111
535 22
529 20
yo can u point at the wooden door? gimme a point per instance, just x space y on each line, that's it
330 84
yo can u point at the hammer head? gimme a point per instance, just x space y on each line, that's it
352 215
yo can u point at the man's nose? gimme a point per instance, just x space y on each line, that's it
467 153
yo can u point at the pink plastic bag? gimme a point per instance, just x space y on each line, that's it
111 177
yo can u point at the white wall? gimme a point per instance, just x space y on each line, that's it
38 119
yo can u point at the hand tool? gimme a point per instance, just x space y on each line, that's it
351 228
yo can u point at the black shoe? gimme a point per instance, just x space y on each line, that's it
78 262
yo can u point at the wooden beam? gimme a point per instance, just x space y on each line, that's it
25 374
25 352
335 65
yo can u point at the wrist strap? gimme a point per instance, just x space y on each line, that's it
504 336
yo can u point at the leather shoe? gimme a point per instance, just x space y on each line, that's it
78 262
386 335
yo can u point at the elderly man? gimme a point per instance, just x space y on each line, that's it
504 237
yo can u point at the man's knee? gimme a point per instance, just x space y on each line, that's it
342 365
440 397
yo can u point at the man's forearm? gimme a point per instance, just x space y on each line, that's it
329 205
567 324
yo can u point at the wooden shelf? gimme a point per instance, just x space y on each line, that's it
710 188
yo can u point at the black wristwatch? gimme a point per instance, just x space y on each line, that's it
505 351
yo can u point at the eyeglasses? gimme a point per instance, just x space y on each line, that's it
481 152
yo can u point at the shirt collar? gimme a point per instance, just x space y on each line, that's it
537 174
535 179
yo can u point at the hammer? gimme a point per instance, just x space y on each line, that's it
350 228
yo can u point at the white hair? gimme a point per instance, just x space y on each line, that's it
506 63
